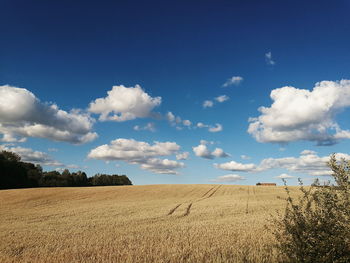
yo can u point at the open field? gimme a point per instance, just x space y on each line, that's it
156 223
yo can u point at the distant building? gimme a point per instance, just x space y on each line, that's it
266 184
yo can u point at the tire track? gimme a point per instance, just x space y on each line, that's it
201 199
173 209
208 191
206 195
247 205
214 192
188 209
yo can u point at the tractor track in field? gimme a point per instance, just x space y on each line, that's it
206 195
188 209
209 194
212 193
173 209
247 204
208 191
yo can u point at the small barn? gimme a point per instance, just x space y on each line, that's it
266 184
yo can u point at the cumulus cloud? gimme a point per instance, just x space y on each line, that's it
29 155
208 104
187 123
268 59
299 114
217 128
218 152
141 153
123 103
182 156
170 117
229 178
160 166
222 98
284 176
307 163
203 151
176 121
148 127
235 80
236 167
24 115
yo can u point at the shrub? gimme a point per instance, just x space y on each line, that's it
316 226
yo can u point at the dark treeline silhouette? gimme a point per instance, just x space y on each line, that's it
17 174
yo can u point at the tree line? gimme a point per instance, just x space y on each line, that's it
17 174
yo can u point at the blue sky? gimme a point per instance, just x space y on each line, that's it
64 56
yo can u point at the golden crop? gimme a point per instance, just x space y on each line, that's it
154 223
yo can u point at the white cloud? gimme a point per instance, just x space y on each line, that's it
218 152
208 104
235 80
182 156
268 59
219 99
138 152
321 173
222 98
22 114
122 104
310 164
299 114
176 121
245 157
187 123
206 142
202 151
229 178
307 152
160 166
202 125
282 149
180 124
170 117
236 167
130 149
148 127
29 155
217 128
284 176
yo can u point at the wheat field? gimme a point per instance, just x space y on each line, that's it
154 223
